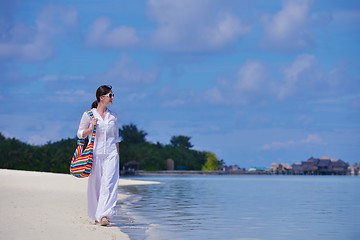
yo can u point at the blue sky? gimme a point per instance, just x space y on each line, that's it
255 82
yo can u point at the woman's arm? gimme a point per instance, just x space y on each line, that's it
118 147
86 126
117 136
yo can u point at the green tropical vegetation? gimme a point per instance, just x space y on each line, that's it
212 163
134 148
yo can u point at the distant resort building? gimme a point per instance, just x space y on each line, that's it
232 169
321 166
280 168
354 169
256 169
130 168
312 166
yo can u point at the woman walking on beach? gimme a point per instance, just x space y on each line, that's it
104 177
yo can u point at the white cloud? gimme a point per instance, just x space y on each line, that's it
278 145
26 43
301 64
136 97
311 139
54 78
174 103
36 129
214 95
288 29
127 72
102 35
56 19
251 77
71 96
194 26
295 73
305 77
251 82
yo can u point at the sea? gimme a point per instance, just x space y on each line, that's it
239 207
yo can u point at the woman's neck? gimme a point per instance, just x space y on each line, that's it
101 108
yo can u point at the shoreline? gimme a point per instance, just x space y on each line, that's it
200 172
50 206
193 172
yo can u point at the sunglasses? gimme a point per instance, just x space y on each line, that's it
110 95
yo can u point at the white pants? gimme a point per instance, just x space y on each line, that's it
103 186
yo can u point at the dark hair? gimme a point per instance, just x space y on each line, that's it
101 91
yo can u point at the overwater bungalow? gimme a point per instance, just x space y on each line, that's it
321 166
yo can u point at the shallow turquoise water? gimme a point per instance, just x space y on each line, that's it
242 207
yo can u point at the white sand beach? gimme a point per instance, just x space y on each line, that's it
38 205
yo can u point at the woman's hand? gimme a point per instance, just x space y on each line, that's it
93 123
89 130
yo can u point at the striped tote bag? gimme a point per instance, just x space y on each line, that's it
82 160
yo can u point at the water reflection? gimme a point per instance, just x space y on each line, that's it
224 207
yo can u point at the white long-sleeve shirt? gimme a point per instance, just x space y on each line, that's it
107 131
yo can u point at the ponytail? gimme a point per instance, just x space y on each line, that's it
94 104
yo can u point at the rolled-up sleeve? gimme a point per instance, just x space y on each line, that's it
116 133
84 124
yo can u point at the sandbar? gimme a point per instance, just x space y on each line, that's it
39 205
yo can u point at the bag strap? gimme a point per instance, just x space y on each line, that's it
91 115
